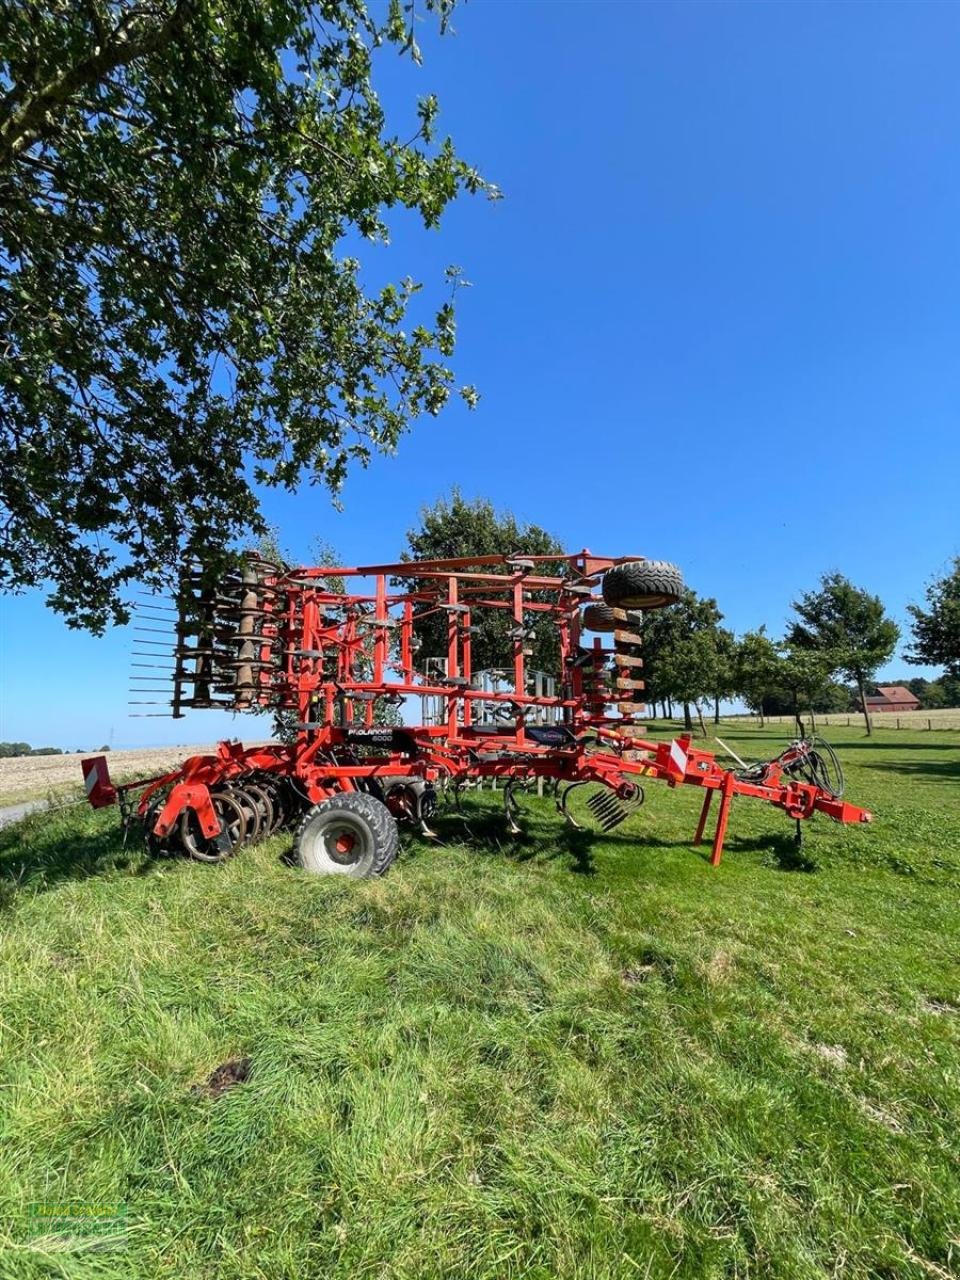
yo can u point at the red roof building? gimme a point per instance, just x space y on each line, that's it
892 697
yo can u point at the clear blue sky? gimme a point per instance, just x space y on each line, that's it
715 319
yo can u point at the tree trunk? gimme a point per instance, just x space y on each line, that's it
813 720
863 703
716 709
703 727
796 714
687 718
670 708
763 723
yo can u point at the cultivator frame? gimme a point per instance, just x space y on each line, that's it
307 642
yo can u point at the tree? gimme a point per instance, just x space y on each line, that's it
936 629
681 652
849 629
804 672
756 669
180 323
724 676
455 528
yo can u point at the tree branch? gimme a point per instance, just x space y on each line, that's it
36 116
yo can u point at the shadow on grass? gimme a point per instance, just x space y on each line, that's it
940 770
486 830
41 852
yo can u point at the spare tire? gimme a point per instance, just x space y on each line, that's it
601 617
642 584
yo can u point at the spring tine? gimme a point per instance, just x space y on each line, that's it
156 602
154 666
154 631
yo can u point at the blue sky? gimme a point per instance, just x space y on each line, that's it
715 319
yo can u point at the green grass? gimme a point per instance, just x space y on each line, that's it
557 1057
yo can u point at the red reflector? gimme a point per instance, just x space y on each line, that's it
96 780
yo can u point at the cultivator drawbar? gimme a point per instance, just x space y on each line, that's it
344 660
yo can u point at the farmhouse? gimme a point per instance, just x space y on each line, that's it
892 697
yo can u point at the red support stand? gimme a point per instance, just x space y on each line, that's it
701 825
726 795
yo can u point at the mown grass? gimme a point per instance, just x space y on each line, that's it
563 1056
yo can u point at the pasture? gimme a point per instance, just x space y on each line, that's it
563 1055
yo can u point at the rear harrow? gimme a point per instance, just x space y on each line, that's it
340 661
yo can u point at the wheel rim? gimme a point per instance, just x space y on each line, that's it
264 807
338 845
251 812
232 819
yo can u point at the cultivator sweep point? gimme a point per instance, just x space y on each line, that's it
338 648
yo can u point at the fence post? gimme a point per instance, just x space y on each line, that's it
898 722
929 724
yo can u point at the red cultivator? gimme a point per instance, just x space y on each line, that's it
341 662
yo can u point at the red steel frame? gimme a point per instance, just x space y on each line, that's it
331 655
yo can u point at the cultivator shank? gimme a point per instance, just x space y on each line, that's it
339 650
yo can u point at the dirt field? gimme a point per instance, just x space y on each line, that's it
33 777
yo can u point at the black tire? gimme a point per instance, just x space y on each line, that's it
601 617
350 834
642 584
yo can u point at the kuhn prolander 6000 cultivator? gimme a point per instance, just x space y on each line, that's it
338 658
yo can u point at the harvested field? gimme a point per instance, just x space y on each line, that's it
33 777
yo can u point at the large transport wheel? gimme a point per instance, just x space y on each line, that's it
351 834
642 584
601 617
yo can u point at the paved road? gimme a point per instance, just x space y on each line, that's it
14 812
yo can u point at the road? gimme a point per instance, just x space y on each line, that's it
14 812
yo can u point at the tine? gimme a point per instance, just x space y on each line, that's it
154 666
156 602
155 631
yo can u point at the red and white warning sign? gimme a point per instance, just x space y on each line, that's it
677 763
96 781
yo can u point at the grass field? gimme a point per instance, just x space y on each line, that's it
557 1057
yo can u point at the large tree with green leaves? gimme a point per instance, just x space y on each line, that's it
936 629
847 627
756 669
682 653
454 528
185 185
803 677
